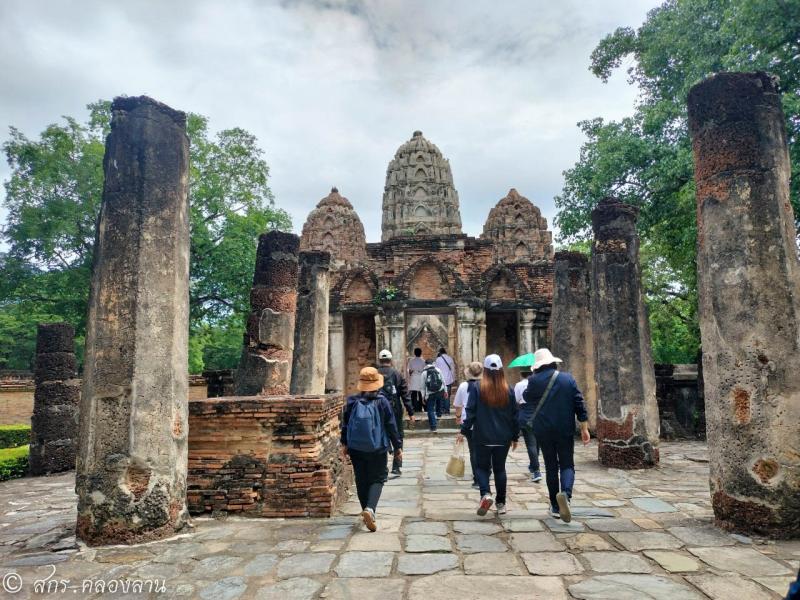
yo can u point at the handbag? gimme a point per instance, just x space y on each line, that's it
455 466
529 422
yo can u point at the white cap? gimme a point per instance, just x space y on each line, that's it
493 362
385 355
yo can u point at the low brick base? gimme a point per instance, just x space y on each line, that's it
635 454
275 456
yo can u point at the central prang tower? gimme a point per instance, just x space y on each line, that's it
419 197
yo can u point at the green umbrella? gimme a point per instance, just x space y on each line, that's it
526 360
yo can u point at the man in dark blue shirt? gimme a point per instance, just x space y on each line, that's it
554 426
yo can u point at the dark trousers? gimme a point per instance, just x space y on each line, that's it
433 409
443 407
472 462
416 401
371 473
557 451
492 459
397 463
533 450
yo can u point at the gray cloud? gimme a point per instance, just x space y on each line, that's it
332 88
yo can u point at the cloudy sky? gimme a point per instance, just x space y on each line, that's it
331 88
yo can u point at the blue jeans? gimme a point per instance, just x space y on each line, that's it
557 451
433 406
533 450
492 459
443 405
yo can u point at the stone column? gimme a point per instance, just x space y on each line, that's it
310 362
334 382
572 325
749 289
54 424
132 456
627 411
396 337
527 341
265 368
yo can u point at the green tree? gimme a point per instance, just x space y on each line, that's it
53 198
646 159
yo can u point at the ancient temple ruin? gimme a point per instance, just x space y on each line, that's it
427 284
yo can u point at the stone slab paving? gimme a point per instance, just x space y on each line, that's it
638 534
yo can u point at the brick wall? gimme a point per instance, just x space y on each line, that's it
272 456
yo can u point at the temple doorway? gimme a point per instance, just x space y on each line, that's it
359 347
430 331
502 337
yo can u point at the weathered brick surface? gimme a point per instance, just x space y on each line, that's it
266 457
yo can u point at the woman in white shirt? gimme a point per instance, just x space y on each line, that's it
473 374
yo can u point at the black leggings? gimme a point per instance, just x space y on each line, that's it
371 473
492 459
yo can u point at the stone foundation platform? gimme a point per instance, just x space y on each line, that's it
275 456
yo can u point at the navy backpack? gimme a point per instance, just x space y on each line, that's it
365 431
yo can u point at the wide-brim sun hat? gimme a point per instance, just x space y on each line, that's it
369 380
473 370
493 362
543 357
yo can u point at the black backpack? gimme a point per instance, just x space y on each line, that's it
389 388
433 381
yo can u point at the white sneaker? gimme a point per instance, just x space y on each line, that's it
563 507
368 515
485 505
501 509
536 477
554 513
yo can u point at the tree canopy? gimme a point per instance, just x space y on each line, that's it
53 198
646 160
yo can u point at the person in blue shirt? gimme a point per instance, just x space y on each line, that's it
554 426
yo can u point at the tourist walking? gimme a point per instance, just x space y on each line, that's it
396 391
473 374
492 422
552 401
527 434
434 390
414 368
446 364
368 427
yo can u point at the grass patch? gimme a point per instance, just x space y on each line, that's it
13 462
12 436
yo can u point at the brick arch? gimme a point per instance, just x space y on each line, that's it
429 279
357 286
501 283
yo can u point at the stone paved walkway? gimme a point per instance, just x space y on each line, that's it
638 535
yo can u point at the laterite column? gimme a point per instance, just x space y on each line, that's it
132 457
54 424
310 363
749 287
627 411
265 368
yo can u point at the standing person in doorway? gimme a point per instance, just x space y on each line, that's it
414 368
530 440
396 391
492 421
446 364
368 427
473 375
552 401
434 390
